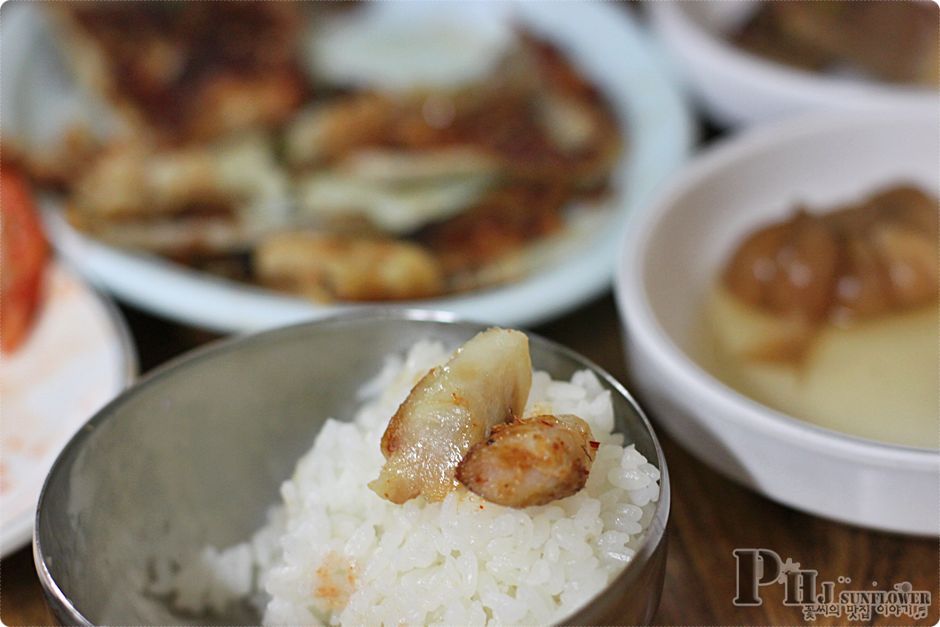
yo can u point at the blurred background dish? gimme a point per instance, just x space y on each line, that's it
496 188
848 38
750 62
856 455
65 353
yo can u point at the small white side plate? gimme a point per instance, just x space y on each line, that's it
77 357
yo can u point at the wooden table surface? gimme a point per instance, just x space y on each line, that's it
710 517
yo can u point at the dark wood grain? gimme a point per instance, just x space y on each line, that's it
711 516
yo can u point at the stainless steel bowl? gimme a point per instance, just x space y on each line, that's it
194 455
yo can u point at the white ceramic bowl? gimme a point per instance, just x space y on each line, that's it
739 89
671 255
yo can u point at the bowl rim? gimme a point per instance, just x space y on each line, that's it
648 547
756 70
644 328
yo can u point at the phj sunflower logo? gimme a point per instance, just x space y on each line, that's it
802 587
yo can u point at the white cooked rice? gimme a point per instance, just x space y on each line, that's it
336 553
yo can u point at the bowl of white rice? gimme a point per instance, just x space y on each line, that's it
231 487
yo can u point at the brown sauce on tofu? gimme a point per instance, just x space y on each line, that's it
866 260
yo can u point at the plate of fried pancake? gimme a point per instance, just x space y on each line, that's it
243 165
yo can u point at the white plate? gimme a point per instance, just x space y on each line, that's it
602 39
77 357
738 88
674 250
